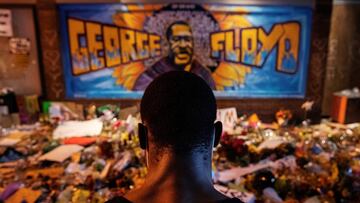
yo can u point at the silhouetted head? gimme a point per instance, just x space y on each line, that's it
178 109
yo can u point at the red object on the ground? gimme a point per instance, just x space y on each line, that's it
83 141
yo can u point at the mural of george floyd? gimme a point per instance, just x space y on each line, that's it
241 51
250 53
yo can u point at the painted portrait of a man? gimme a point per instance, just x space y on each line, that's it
181 57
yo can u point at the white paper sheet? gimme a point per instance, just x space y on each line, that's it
78 129
270 144
231 174
61 153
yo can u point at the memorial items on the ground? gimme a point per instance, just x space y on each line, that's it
254 162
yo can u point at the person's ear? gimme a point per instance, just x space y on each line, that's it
218 132
143 134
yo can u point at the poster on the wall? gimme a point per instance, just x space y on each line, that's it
116 50
21 46
5 23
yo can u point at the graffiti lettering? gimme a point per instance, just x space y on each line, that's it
256 45
95 46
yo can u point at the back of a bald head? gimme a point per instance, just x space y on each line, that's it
179 109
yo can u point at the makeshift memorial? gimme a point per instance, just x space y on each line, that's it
94 160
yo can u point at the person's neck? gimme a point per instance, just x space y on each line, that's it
169 168
185 178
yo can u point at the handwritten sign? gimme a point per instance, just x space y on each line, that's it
5 23
228 117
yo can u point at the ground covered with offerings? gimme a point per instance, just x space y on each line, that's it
96 159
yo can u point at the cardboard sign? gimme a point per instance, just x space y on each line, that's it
228 117
61 153
5 23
